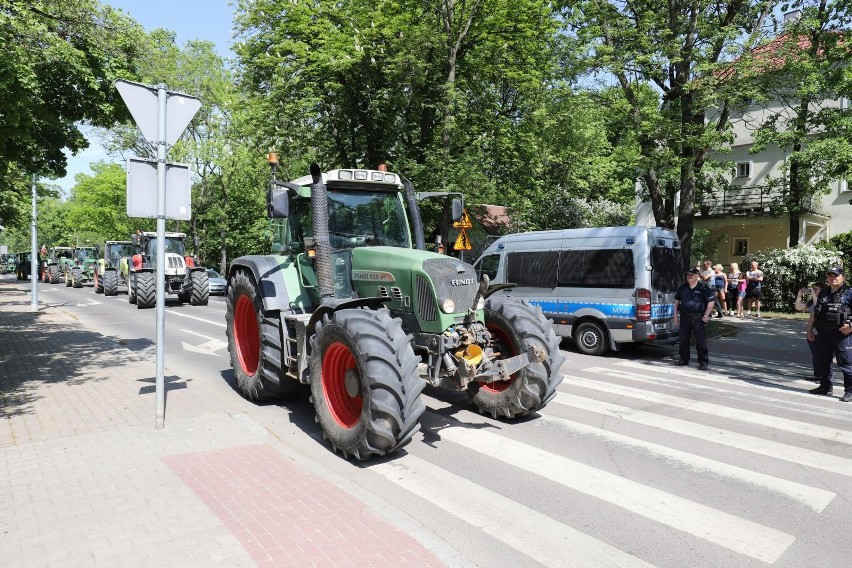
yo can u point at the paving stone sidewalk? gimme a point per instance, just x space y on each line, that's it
86 479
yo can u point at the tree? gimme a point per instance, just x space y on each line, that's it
677 49
98 204
798 80
58 61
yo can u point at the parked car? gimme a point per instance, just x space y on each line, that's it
217 282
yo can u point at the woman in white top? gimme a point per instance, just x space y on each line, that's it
733 295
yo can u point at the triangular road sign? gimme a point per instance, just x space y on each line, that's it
142 102
462 242
464 222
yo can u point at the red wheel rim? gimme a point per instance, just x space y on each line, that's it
246 335
507 349
345 409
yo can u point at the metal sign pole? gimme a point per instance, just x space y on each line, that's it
34 252
162 98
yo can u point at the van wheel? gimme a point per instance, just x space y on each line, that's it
590 339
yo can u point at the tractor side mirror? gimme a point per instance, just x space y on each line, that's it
134 239
458 209
278 204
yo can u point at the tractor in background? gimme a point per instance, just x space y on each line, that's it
351 304
81 267
55 266
110 269
182 277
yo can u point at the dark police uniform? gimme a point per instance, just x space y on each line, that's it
832 310
693 305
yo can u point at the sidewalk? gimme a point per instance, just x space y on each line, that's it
86 480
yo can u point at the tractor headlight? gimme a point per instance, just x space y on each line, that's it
448 306
481 303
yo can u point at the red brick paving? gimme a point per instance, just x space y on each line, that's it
285 516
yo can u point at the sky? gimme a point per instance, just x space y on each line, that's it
189 19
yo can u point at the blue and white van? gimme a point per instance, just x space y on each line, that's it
605 287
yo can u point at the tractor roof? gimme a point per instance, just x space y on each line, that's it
356 179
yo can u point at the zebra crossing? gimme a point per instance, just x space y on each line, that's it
654 465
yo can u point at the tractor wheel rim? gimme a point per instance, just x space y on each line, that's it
345 409
247 335
506 349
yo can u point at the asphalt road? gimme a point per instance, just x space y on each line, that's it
635 462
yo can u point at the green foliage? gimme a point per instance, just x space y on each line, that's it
97 207
787 270
704 246
841 243
561 211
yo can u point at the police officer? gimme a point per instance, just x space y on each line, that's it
831 317
693 303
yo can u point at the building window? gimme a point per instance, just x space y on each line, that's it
743 169
740 246
844 185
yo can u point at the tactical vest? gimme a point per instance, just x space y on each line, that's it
831 311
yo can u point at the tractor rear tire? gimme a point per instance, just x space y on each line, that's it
146 290
54 273
515 325
365 385
255 343
109 283
98 282
200 288
76 278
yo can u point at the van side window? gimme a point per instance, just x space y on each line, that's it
533 269
488 266
666 269
607 268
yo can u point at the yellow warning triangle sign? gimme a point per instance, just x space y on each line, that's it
462 242
463 223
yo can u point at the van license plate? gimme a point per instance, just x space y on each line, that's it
661 326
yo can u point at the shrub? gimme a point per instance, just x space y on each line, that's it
787 270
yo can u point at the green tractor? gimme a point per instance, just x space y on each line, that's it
110 270
55 267
189 282
81 268
349 305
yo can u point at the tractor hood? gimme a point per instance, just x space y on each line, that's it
415 280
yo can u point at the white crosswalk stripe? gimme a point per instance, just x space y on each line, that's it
795 426
718 527
816 499
786 452
536 535
688 509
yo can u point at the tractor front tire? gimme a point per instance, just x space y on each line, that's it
55 273
76 278
365 385
146 290
514 325
67 276
109 283
200 288
254 343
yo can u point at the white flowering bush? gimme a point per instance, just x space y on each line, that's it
787 270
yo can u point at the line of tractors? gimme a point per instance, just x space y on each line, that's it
122 266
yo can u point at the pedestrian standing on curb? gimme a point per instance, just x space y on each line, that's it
802 306
708 275
693 303
732 294
754 288
720 281
831 317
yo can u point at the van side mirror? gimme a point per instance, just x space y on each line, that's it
458 209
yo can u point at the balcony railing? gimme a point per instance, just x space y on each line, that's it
752 201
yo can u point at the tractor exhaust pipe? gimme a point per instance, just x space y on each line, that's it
322 262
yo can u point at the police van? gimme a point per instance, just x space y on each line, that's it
605 287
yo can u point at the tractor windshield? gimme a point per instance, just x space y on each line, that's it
119 251
173 245
356 219
84 254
